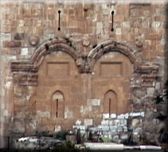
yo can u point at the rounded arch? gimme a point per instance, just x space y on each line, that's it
110 91
112 46
110 102
57 104
53 46
58 95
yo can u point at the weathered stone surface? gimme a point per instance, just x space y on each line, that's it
97 76
12 44
19 36
86 41
24 51
88 122
150 91
33 40
154 36
57 128
32 143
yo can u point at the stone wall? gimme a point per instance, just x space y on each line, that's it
63 59
117 128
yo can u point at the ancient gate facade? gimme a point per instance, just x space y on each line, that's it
63 63
67 86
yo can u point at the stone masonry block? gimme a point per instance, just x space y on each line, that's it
12 44
24 51
154 36
150 91
118 18
88 122
118 31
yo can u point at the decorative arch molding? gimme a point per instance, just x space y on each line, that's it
113 46
33 64
25 72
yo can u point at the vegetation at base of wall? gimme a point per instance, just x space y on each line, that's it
61 135
159 99
105 140
162 100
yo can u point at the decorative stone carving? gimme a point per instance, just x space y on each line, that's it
83 64
147 69
148 80
33 40
112 46
85 41
26 79
139 43
79 62
22 66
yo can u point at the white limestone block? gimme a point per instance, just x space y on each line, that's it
99 27
44 114
118 31
113 115
126 24
105 116
24 51
95 102
121 116
126 116
57 128
78 122
8 84
88 122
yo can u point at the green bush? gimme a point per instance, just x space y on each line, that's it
69 144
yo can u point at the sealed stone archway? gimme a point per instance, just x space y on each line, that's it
70 47
57 105
110 103
82 83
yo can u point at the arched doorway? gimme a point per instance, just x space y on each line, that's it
57 105
110 102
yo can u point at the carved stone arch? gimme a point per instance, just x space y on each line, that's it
25 72
112 46
54 45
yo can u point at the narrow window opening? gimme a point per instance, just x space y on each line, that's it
59 18
112 13
56 108
57 105
109 107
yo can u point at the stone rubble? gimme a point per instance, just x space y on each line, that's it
116 128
